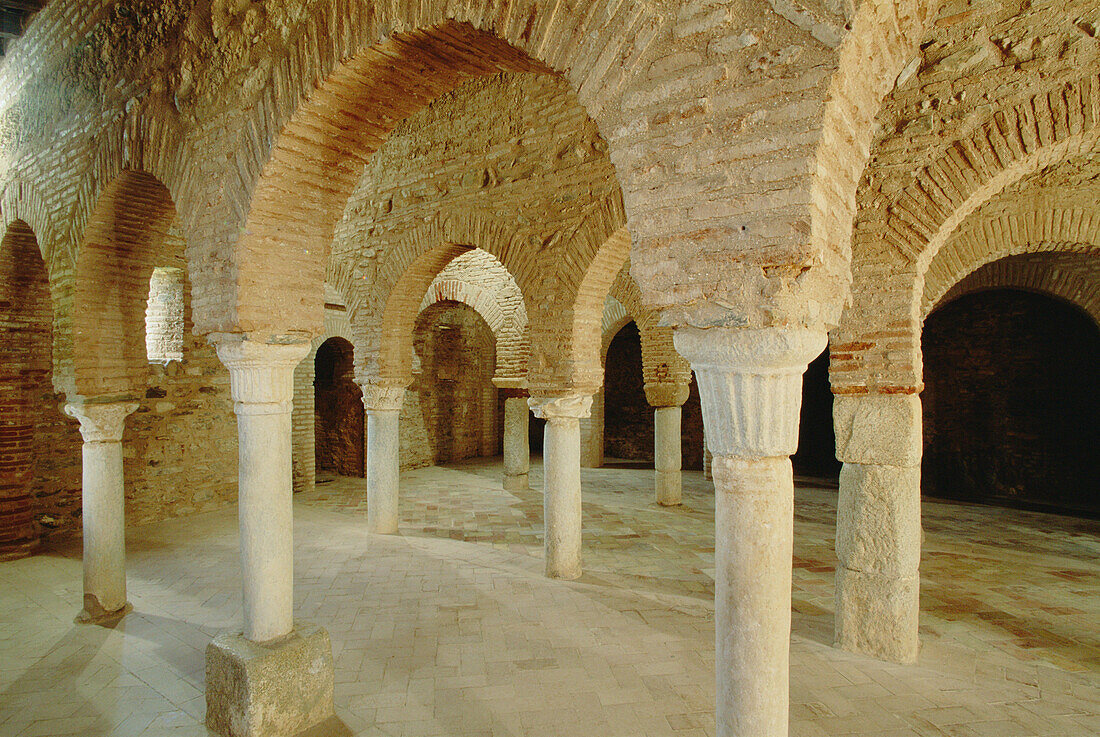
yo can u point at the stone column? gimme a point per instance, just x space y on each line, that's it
383 471
706 462
666 400
277 676
561 494
879 440
262 382
750 384
666 455
517 445
103 504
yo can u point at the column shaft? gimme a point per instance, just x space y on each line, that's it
561 460
103 505
667 455
562 497
266 522
383 469
754 519
517 445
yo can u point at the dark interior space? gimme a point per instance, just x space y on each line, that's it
338 410
628 418
816 455
1011 405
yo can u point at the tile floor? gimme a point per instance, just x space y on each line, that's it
450 629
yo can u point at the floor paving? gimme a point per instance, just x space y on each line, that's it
449 628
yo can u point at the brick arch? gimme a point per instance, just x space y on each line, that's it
586 318
335 96
661 364
1032 229
25 338
884 38
21 201
127 235
615 318
1068 271
148 140
878 345
508 341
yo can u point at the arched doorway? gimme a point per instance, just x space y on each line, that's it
1011 408
338 410
454 389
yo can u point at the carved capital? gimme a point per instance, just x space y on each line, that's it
666 394
750 385
261 375
382 397
101 422
572 407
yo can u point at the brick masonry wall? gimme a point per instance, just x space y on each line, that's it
451 411
179 446
1010 405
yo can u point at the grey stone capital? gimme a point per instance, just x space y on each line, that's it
750 385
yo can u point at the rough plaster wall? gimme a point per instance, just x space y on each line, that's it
1002 91
534 188
1010 407
1073 277
452 405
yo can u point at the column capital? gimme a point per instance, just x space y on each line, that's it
382 397
750 385
573 406
101 422
261 375
666 394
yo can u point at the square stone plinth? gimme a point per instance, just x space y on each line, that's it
273 689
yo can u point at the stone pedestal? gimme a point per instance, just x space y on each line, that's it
383 471
264 681
879 440
272 689
103 506
517 445
561 458
666 455
750 384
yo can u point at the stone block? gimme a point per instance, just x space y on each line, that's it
274 689
878 519
882 429
877 615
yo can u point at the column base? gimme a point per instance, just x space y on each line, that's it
669 488
273 689
516 483
877 616
94 613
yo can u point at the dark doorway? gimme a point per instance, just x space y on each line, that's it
338 410
1011 405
